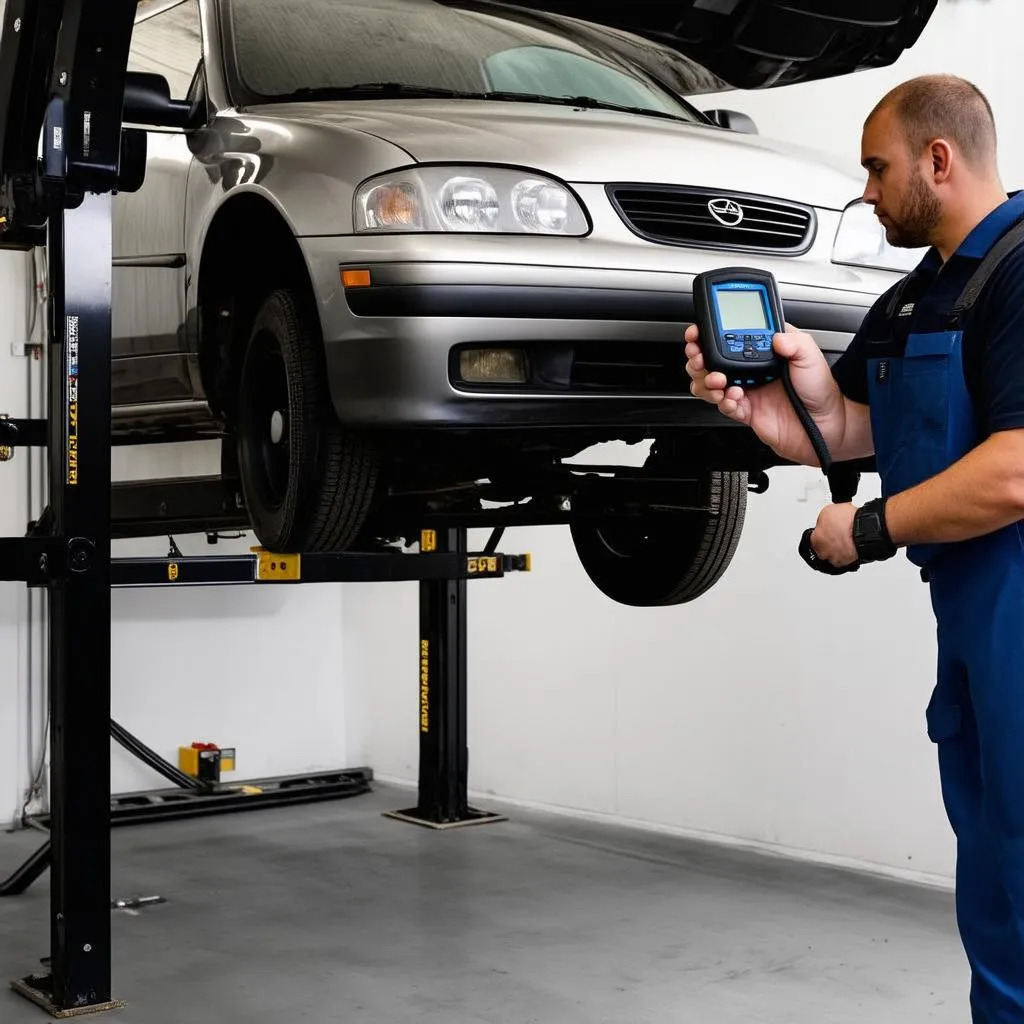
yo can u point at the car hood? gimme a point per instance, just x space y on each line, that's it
587 145
756 44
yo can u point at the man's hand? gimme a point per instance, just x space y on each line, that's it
832 539
768 412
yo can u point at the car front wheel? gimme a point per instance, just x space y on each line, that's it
307 483
663 558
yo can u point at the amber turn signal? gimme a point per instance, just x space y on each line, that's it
355 278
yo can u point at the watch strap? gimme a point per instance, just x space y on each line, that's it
870 534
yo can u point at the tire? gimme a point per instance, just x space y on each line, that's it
308 484
666 559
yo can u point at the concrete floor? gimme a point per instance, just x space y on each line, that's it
332 913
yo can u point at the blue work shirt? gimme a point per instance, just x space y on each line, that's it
993 341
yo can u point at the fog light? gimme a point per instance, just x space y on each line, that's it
493 366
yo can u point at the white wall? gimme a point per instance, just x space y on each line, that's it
807 735
976 39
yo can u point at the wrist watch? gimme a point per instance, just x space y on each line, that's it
870 535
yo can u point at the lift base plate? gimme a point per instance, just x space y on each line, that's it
39 990
474 817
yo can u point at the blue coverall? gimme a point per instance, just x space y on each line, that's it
923 420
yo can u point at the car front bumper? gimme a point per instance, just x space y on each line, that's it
604 347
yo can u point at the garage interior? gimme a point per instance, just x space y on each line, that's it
684 828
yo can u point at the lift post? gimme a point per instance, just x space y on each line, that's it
443 670
64 67
79 599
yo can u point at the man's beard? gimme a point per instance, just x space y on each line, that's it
912 226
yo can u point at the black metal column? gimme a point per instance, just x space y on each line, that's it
79 250
80 373
442 689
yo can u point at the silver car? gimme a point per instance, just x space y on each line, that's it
410 258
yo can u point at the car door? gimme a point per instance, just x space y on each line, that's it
151 364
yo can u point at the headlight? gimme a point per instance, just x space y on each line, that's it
860 242
496 200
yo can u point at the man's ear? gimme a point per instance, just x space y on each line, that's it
941 154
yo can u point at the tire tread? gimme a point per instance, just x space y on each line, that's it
719 542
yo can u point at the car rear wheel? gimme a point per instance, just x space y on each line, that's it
307 483
665 558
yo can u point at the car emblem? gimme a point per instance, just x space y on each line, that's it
726 212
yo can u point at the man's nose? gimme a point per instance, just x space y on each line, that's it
870 194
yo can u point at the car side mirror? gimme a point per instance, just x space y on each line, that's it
733 120
147 100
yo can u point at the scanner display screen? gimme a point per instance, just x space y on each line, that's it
742 311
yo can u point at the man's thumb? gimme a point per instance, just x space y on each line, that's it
795 346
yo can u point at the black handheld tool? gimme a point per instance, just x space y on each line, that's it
738 311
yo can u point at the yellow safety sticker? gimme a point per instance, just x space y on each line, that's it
272 566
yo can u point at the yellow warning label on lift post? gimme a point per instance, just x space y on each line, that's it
428 540
271 566
424 685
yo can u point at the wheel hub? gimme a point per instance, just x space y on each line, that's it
277 426
267 420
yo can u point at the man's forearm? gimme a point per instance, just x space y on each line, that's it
981 493
856 441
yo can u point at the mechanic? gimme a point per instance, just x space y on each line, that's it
933 386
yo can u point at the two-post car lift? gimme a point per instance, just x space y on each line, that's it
63 75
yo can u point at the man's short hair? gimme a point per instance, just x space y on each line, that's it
944 106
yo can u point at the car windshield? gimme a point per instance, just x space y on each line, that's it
294 49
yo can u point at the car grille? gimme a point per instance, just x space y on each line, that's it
674 215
